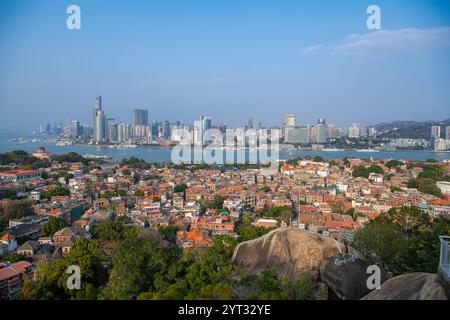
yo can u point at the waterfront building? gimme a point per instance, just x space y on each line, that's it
97 107
100 127
436 132
75 129
354 131
140 117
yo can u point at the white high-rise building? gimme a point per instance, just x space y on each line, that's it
354 131
436 132
290 121
197 133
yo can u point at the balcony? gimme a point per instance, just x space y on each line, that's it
444 261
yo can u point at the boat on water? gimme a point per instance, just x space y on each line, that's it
97 157
367 150
332 150
126 146
63 143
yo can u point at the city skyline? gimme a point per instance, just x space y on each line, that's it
184 59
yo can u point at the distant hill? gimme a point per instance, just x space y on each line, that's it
409 129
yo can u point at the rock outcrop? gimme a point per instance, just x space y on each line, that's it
290 251
346 280
410 286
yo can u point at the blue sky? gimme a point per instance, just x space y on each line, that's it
230 59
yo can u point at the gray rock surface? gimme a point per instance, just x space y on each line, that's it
410 286
290 251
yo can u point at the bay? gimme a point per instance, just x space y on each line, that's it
163 154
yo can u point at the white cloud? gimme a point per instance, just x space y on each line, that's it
314 49
389 41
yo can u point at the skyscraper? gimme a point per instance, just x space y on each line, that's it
291 121
447 132
206 125
113 132
298 135
436 132
320 132
124 132
166 129
197 133
97 107
109 123
140 117
354 131
74 129
332 131
250 123
100 127
155 127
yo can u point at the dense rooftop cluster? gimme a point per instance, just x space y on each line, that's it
45 211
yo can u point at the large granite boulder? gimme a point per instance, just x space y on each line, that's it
410 286
346 276
292 252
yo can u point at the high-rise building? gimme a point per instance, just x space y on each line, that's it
206 125
124 132
298 135
100 127
447 132
332 131
290 121
140 117
97 107
165 129
206 122
436 132
75 129
109 123
354 131
320 132
197 133
222 128
250 123
113 132
85 132
154 129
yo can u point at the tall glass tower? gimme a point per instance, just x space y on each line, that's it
97 107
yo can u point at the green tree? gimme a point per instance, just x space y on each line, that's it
108 230
137 265
51 279
361 171
179 188
18 209
168 233
217 203
249 232
318 159
53 225
395 189
393 163
403 240
56 191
